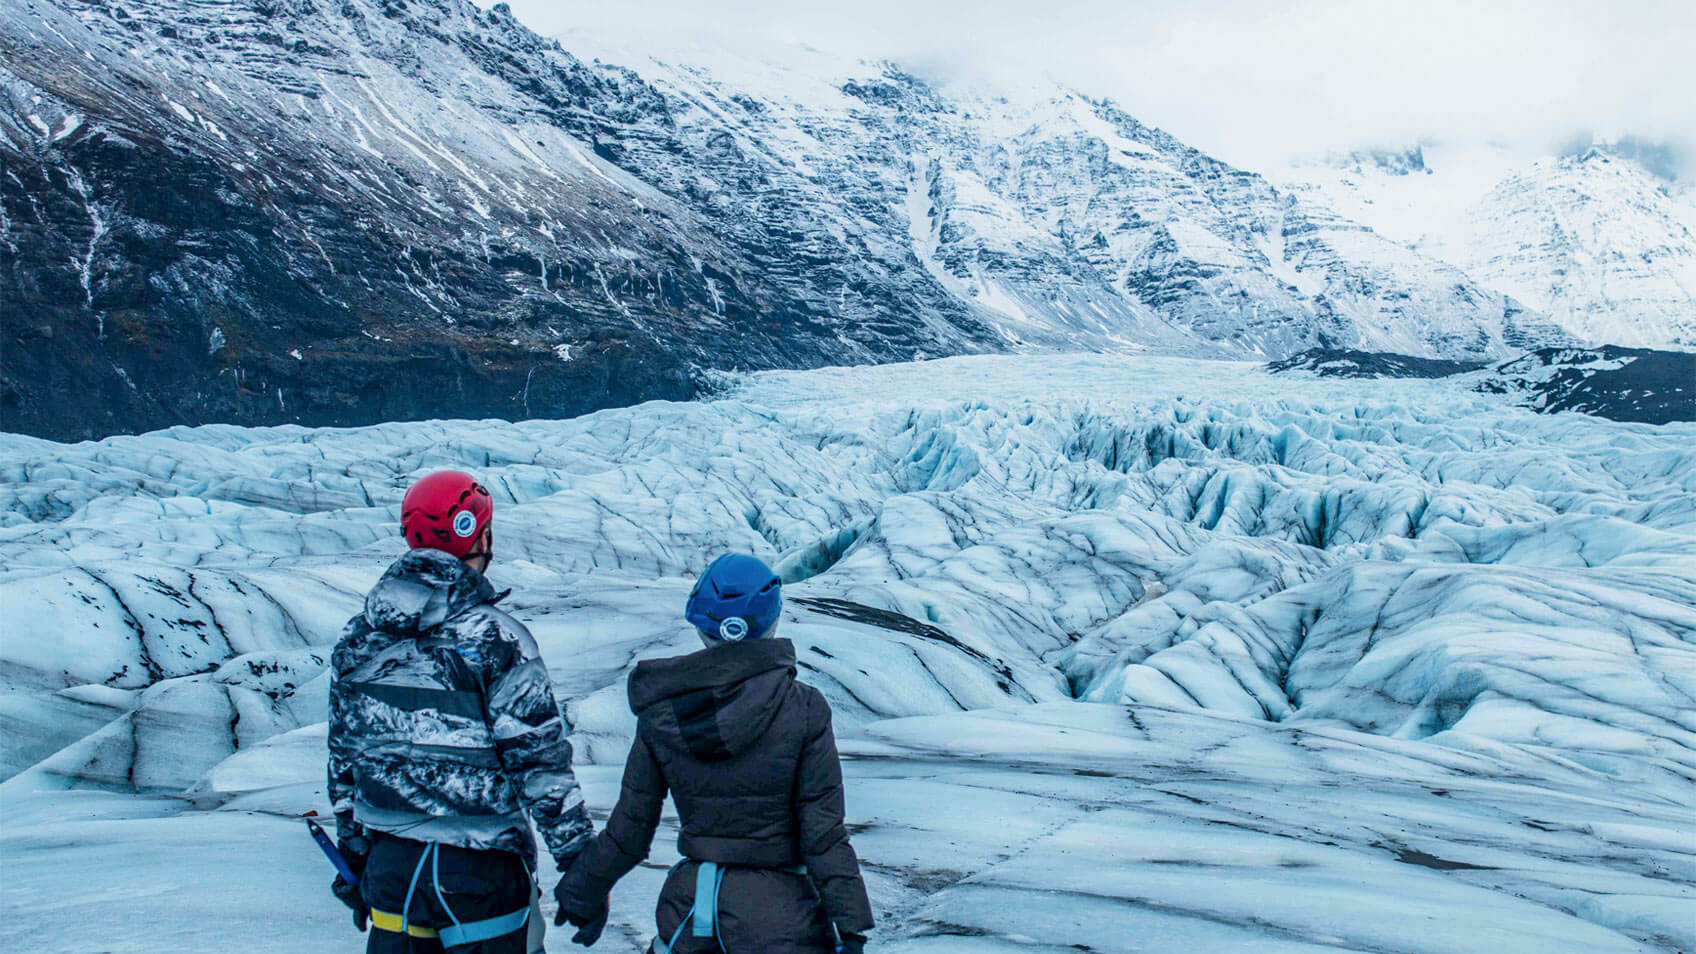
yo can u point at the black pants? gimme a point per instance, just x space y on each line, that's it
474 884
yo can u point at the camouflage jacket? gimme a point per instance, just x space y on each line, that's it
443 724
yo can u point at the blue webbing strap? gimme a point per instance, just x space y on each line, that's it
406 906
462 933
707 879
704 913
672 946
474 931
436 882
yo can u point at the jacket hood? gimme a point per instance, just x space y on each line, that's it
424 589
715 703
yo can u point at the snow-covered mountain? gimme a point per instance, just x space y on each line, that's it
1210 660
1071 222
296 211
1595 240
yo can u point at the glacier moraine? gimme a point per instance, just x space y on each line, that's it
1127 653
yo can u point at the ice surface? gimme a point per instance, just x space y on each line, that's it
1127 653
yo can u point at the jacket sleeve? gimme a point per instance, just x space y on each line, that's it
530 740
625 841
342 783
819 807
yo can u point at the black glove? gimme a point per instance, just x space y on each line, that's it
560 916
589 926
354 850
852 944
589 930
348 894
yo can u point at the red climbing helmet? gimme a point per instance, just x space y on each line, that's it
446 510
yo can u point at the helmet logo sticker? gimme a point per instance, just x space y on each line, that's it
733 628
464 523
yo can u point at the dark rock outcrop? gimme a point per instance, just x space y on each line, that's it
1344 363
1622 384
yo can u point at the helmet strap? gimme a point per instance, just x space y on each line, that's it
484 548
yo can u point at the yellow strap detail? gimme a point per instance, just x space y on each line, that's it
384 921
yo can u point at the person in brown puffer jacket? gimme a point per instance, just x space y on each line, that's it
748 755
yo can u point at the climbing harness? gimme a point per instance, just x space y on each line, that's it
395 924
704 914
462 932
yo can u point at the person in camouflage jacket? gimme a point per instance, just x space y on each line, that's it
444 733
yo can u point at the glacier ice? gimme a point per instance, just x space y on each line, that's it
1127 653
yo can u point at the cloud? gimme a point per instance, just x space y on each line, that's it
1255 82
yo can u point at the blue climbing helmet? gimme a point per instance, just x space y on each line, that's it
738 597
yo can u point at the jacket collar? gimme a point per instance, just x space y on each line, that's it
724 665
424 589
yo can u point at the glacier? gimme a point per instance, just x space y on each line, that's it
1127 653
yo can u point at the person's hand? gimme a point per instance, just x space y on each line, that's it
355 850
852 944
348 894
589 931
589 926
560 916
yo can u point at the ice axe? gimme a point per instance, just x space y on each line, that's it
328 846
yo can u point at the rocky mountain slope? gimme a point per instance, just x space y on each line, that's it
376 210
270 211
1074 224
1602 240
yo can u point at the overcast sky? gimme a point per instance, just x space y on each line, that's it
1254 82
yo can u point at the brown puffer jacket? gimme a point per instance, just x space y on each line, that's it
748 756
